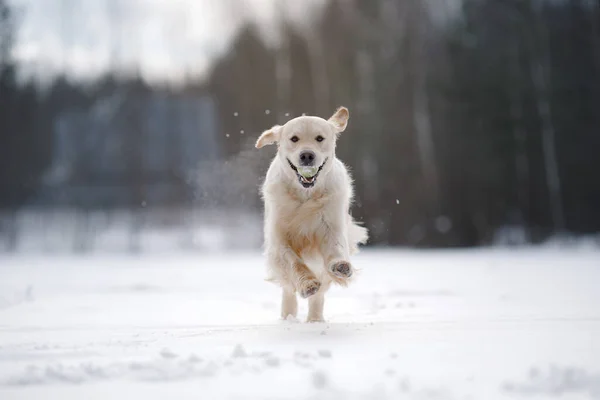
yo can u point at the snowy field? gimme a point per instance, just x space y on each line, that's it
481 325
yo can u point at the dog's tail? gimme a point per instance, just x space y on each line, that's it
356 235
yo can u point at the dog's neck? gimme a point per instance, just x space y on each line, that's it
302 195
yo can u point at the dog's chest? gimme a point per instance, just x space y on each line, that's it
303 223
304 214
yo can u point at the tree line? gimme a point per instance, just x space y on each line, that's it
462 123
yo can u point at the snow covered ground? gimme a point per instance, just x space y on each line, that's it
484 324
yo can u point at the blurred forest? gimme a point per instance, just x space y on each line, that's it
464 123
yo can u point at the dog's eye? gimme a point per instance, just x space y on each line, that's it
320 138
294 139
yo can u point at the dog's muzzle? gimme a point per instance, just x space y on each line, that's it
307 182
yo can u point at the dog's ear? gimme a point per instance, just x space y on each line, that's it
268 137
340 119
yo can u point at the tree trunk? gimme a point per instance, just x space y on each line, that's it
519 135
594 15
318 70
283 68
539 67
421 111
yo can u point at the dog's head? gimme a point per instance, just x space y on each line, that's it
306 145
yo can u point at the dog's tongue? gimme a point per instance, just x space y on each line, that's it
307 180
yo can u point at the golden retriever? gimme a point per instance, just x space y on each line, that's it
309 232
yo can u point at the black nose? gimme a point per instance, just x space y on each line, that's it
307 158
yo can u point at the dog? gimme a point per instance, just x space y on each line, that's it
307 195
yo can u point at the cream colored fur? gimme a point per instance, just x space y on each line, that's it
309 232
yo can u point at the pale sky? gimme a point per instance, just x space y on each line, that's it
163 39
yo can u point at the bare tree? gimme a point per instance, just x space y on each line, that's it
519 137
283 68
421 111
319 72
540 76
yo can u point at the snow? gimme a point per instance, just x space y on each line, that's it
160 230
483 324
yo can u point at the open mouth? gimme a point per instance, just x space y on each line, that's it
309 175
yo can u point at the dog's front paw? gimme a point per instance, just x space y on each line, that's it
341 269
308 287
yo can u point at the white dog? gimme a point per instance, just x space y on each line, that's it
307 195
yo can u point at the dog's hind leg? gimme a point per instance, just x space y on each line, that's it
289 303
315 306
